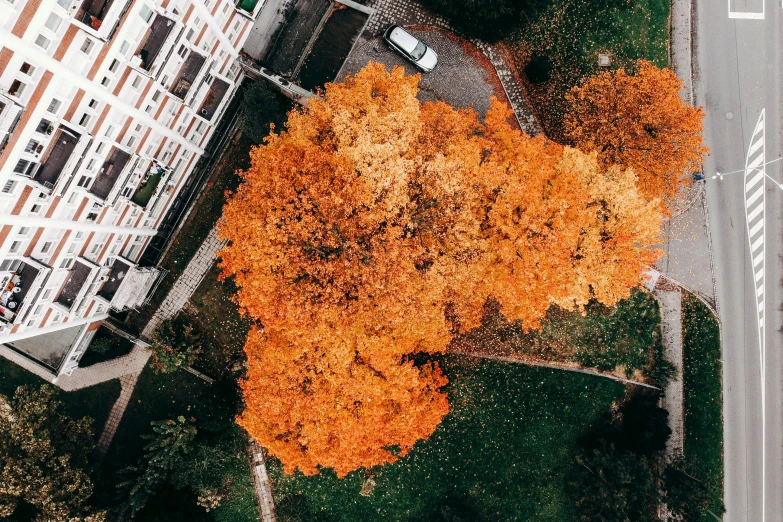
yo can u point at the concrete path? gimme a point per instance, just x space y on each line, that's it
187 283
669 298
263 486
688 244
128 383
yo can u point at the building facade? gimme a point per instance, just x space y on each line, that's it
105 108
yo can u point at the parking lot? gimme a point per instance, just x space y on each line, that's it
464 78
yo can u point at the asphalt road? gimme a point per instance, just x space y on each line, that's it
737 71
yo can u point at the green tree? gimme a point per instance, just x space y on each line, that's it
172 441
615 486
261 106
44 458
688 495
175 344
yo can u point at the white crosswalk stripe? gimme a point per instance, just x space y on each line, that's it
754 216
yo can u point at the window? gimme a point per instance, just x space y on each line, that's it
65 4
86 46
131 141
41 195
47 293
114 65
72 248
90 164
23 231
44 127
79 235
31 146
92 216
10 265
84 181
21 166
99 148
38 309
31 322
54 106
93 103
67 262
126 193
190 34
9 187
109 131
53 22
148 109
35 209
27 69
85 119
95 248
138 127
145 13
73 196
156 96
225 7
106 81
124 47
15 246
17 88
136 82
43 42
182 51
47 247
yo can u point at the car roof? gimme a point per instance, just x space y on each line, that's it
404 39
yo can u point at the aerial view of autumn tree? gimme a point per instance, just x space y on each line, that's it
639 122
375 227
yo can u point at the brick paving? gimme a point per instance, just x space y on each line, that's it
263 486
128 383
410 13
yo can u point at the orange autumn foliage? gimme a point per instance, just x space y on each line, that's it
376 226
639 122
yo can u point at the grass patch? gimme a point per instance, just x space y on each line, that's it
144 194
95 402
702 385
571 33
211 308
165 396
624 339
503 453
111 346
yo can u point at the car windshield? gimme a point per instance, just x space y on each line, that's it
419 51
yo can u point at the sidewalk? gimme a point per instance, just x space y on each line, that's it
687 244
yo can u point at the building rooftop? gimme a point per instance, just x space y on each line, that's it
157 34
217 91
55 159
50 348
73 285
187 74
119 269
109 173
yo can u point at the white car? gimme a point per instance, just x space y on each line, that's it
411 48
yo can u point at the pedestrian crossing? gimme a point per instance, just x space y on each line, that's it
754 214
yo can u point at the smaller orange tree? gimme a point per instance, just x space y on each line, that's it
639 122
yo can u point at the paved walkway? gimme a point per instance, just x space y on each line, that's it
128 383
669 297
409 12
688 246
263 486
186 283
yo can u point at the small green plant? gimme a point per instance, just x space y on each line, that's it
101 345
175 344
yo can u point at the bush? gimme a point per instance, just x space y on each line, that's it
101 345
486 20
175 344
262 106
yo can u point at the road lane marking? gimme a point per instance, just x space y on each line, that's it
754 223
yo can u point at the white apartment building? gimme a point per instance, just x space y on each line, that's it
105 108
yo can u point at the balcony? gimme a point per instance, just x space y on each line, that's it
247 5
110 173
217 91
187 75
74 284
154 41
10 113
92 13
16 289
148 185
128 285
56 157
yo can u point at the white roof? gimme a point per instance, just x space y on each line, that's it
135 286
404 39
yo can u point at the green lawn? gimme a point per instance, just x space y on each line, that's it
503 453
703 395
165 396
571 33
95 402
143 195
